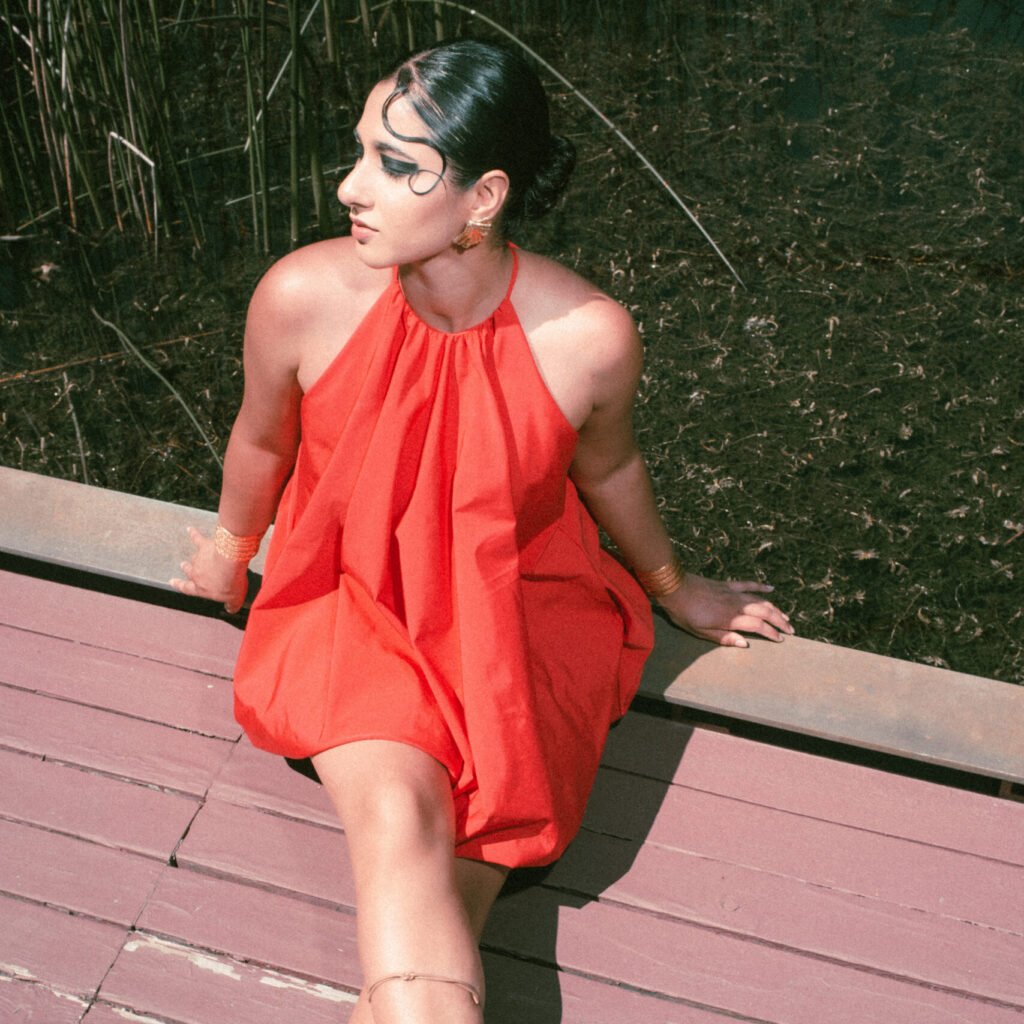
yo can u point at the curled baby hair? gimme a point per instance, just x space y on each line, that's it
485 109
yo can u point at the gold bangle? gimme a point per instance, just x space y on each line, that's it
234 548
664 581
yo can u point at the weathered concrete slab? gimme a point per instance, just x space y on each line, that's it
94 529
835 693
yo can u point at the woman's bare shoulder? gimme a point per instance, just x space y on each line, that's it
554 301
315 280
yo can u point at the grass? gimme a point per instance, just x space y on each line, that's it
848 425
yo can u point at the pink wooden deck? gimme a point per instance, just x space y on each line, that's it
153 867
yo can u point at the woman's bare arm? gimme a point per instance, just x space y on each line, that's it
264 439
612 478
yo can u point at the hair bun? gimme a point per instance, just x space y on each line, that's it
551 178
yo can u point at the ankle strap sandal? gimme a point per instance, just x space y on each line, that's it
473 993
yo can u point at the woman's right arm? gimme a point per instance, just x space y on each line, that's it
264 439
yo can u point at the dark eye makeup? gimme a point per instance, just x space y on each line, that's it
421 181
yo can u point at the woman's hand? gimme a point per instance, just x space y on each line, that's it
721 610
211 575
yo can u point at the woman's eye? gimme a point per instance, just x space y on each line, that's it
397 168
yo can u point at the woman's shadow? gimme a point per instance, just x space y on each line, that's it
527 972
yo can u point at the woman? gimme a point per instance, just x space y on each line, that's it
438 628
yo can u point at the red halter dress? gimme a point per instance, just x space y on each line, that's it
433 578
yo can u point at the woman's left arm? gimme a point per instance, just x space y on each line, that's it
613 480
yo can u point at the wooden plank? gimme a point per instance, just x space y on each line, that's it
109 742
68 953
64 872
254 778
783 912
834 693
265 849
94 529
169 980
907 874
104 1013
23 1002
817 787
248 923
120 682
683 961
99 809
116 623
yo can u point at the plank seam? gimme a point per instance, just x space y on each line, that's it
46 695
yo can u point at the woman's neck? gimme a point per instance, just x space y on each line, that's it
455 291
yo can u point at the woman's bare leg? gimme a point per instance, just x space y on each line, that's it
420 909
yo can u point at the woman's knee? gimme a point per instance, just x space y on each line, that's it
391 798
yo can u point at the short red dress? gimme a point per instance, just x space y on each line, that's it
433 578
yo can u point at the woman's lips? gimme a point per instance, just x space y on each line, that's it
360 230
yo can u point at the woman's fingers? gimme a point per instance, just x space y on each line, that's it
750 586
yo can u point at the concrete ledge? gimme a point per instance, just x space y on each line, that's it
834 693
95 530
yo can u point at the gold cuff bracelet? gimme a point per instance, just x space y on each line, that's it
235 548
658 583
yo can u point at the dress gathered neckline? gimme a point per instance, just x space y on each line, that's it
506 301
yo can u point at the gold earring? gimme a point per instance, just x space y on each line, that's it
472 234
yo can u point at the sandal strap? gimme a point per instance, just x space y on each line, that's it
474 994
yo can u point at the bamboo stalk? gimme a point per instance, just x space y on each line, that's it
293 123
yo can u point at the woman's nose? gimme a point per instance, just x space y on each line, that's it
350 191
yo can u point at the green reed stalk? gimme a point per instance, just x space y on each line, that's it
330 30
311 122
262 133
256 185
295 73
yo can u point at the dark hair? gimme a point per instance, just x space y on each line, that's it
485 109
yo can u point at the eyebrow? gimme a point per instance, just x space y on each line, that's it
385 147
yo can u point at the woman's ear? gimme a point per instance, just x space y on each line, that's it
490 191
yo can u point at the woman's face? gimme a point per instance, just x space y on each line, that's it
392 223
